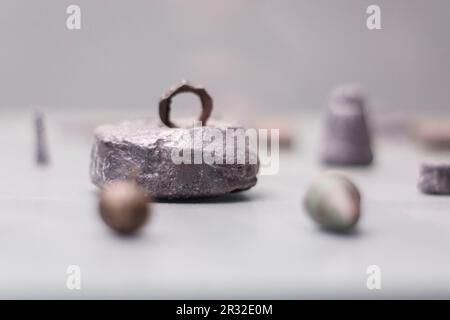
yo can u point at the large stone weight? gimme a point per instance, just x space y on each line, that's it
142 150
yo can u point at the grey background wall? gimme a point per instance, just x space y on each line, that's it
269 56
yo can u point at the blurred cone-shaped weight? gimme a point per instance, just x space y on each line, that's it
346 139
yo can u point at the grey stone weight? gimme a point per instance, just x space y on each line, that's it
148 146
346 139
435 179
333 202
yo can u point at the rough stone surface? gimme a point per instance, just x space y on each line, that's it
435 179
333 202
346 138
147 145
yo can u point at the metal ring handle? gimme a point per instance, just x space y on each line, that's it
166 101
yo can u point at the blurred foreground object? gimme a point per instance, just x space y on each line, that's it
42 156
333 202
433 134
346 138
123 206
171 159
434 178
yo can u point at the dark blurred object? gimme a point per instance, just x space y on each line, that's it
434 134
346 139
166 101
435 178
42 156
333 202
123 206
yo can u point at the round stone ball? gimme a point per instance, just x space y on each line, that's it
333 202
123 206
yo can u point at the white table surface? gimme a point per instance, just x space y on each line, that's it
257 244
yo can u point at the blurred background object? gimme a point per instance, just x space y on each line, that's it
42 155
432 133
